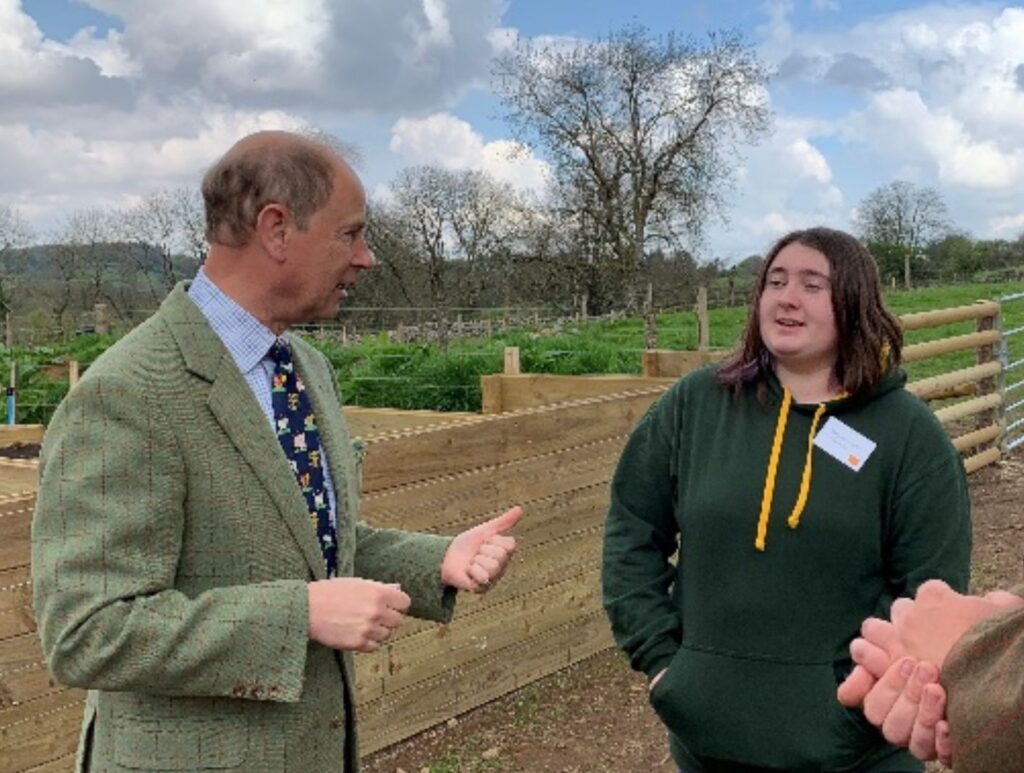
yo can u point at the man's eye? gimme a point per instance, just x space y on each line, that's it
776 283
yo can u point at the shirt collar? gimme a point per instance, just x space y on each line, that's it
247 339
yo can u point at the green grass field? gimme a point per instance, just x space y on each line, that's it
377 373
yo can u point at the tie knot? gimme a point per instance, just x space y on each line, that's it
281 353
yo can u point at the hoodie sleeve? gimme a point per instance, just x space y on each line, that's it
930 525
640 537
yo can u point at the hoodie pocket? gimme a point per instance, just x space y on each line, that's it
760 712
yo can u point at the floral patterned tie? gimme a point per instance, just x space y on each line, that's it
300 439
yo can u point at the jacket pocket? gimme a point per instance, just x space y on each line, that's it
179 743
760 712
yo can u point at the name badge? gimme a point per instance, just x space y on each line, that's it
844 443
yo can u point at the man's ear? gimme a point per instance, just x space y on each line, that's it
273 224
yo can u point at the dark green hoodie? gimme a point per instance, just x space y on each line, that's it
755 633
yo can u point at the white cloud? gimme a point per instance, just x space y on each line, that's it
808 160
50 170
901 123
348 54
933 94
450 142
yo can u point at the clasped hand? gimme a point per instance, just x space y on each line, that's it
896 677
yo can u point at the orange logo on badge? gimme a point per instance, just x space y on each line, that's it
853 460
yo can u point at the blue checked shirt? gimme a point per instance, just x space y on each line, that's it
248 342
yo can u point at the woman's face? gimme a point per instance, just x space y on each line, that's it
798 325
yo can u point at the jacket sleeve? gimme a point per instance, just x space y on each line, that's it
984 680
106 541
410 559
639 540
929 530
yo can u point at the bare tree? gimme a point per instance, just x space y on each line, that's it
902 217
190 214
439 216
14 234
89 261
165 237
645 129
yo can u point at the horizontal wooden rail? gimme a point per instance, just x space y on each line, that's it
929 387
970 407
928 349
981 459
926 319
977 437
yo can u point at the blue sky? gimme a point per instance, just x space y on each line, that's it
104 101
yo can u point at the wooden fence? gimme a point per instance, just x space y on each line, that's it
543 616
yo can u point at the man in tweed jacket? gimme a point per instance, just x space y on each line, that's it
945 652
176 572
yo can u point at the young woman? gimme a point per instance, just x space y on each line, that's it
804 489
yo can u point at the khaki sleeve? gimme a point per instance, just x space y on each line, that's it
984 679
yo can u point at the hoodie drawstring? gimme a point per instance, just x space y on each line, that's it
773 469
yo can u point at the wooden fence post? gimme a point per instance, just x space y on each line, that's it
703 333
100 323
72 373
986 386
650 364
511 360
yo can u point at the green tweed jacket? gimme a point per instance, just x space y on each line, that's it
171 548
984 679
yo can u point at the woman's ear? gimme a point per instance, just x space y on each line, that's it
272 229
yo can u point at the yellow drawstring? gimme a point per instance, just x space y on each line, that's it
773 466
805 482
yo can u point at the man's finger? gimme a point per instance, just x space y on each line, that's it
1004 598
900 721
479 575
900 607
933 590
498 544
879 702
855 687
932 711
395 598
883 634
944 743
490 565
872 657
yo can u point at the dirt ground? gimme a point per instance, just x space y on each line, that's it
595 716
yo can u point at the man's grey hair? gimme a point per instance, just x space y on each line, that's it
297 175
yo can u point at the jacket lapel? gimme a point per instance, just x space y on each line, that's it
236 410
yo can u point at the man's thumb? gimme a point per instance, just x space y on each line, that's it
505 521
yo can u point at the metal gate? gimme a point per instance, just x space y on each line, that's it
1011 353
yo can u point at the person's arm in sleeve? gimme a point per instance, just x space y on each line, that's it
106 541
984 680
930 523
640 537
